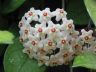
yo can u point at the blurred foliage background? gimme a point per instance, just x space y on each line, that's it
11 12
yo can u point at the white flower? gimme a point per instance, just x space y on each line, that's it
67 55
40 31
32 43
55 60
49 45
30 52
92 48
86 36
69 26
42 60
31 15
24 31
63 42
21 24
45 15
77 45
32 31
60 13
53 31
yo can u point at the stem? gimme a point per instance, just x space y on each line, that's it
63 4
71 69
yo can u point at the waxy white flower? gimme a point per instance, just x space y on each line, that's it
55 61
77 46
92 48
53 44
31 15
53 31
86 36
60 13
49 45
63 42
30 52
24 31
45 15
42 60
40 31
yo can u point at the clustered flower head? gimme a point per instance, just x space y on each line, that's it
53 43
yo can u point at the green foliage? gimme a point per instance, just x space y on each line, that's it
91 8
16 61
11 5
77 11
86 59
6 37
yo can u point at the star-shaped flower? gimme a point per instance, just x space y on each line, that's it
24 32
31 15
77 45
42 60
32 43
67 55
45 15
49 45
55 60
60 13
30 52
52 31
86 36
69 26
63 42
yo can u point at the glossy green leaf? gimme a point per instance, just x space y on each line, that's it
77 11
6 37
91 8
87 60
11 5
16 61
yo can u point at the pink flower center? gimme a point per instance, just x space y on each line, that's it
53 30
21 24
65 55
86 38
40 30
33 43
69 25
50 43
77 46
61 11
26 31
63 41
45 14
30 13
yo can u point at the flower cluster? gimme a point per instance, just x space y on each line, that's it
53 42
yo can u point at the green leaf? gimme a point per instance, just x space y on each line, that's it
77 11
91 8
6 37
16 61
11 5
87 60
